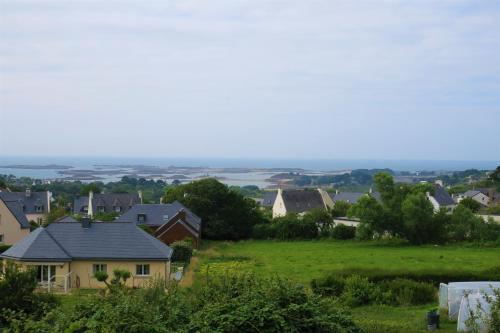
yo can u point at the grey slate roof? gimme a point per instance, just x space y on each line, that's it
269 198
15 207
442 197
159 214
102 241
108 201
37 246
67 219
471 193
28 203
353 197
299 201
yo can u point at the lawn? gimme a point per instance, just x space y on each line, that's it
305 260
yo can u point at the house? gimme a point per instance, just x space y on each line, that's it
33 204
476 195
269 198
105 203
440 199
170 222
66 255
13 222
300 201
353 197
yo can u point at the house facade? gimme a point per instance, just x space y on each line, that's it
476 195
67 255
170 222
300 201
105 203
14 225
441 199
33 204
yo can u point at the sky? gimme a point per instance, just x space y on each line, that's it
251 79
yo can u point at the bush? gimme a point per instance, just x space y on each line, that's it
329 285
264 231
408 292
4 248
341 231
183 251
291 227
359 291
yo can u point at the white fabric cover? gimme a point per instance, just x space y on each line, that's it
456 290
471 302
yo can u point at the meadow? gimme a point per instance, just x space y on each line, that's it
303 261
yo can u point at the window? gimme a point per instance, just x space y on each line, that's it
39 209
0 219
99 268
117 209
141 217
142 270
101 209
45 273
1 238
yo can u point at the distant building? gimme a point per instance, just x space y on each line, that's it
13 222
34 205
441 199
269 198
300 201
170 222
105 203
353 197
476 195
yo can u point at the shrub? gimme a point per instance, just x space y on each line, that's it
183 251
359 290
329 285
291 227
264 231
4 248
343 232
408 292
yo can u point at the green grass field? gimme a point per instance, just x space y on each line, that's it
304 260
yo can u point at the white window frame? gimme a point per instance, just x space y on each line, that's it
142 269
99 268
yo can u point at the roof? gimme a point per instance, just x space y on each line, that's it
353 197
159 214
442 197
102 241
28 203
471 193
67 219
16 208
107 200
269 198
37 246
299 201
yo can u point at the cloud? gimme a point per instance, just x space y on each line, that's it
251 78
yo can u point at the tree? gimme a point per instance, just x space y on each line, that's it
371 216
464 225
470 203
225 213
340 208
94 187
418 219
320 217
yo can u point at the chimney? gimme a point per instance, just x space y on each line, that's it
336 191
370 191
28 192
86 222
140 195
90 210
161 200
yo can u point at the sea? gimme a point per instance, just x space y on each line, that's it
264 168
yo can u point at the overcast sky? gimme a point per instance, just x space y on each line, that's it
255 79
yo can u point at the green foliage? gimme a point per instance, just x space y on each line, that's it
94 187
234 303
55 213
182 251
4 247
265 230
226 214
418 217
340 209
249 191
359 291
406 292
328 285
17 293
101 276
292 227
106 217
341 231
147 229
470 203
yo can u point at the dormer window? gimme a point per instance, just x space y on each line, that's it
85 209
39 208
101 209
141 218
117 209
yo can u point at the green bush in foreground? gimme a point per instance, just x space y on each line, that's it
232 303
182 251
